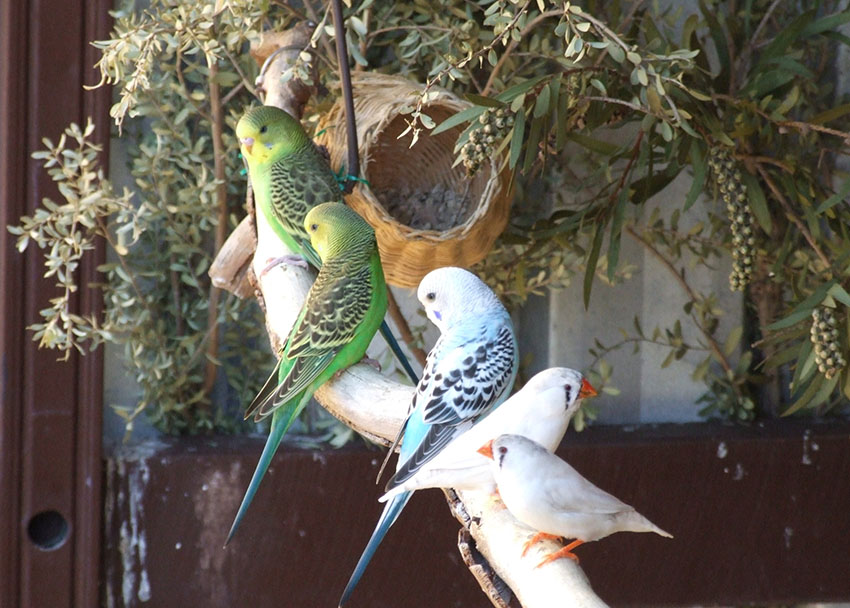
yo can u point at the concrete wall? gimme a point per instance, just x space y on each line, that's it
557 330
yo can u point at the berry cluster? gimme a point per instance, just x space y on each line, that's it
733 192
825 339
494 125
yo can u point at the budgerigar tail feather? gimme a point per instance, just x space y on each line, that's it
280 423
391 449
388 516
436 438
268 388
399 354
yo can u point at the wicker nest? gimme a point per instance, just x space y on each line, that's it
426 214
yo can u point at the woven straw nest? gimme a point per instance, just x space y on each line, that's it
453 219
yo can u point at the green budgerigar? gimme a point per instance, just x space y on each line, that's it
289 177
343 310
288 174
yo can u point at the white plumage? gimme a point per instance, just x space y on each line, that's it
547 494
541 411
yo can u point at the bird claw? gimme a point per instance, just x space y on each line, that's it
289 260
536 539
565 552
373 362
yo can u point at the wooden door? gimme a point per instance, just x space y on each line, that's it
50 419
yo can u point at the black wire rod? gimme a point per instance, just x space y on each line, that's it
353 169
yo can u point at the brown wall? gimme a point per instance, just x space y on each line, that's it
767 523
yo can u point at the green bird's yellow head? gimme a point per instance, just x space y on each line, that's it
335 229
268 133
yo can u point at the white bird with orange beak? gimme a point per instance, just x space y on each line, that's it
548 495
541 411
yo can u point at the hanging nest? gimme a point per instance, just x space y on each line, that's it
426 213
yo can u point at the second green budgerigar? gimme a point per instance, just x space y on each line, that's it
343 310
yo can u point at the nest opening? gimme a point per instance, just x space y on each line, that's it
418 186
426 213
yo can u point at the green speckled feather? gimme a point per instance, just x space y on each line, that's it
288 174
335 325
297 184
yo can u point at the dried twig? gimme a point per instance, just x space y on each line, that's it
217 122
353 168
792 215
715 348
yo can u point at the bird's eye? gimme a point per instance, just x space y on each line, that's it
430 296
314 227
264 129
503 450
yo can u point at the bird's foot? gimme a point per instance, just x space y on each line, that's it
365 360
565 552
369 361
289 260
496 502
536 539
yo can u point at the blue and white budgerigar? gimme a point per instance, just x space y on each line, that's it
470 370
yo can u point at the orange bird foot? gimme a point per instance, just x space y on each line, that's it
536 539
495 500
565 552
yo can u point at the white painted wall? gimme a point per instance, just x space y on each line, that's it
557 329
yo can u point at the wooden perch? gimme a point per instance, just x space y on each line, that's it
376 407
232 264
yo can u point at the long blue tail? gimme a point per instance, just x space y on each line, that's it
399 354
278 428
388 516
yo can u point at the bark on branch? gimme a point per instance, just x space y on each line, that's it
376 406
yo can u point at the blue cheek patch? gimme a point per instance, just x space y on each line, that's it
270 146
438 315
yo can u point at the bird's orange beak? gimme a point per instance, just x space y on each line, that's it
247 143
586 389
487 450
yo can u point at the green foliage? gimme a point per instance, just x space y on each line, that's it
610 103
163 62
69 230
